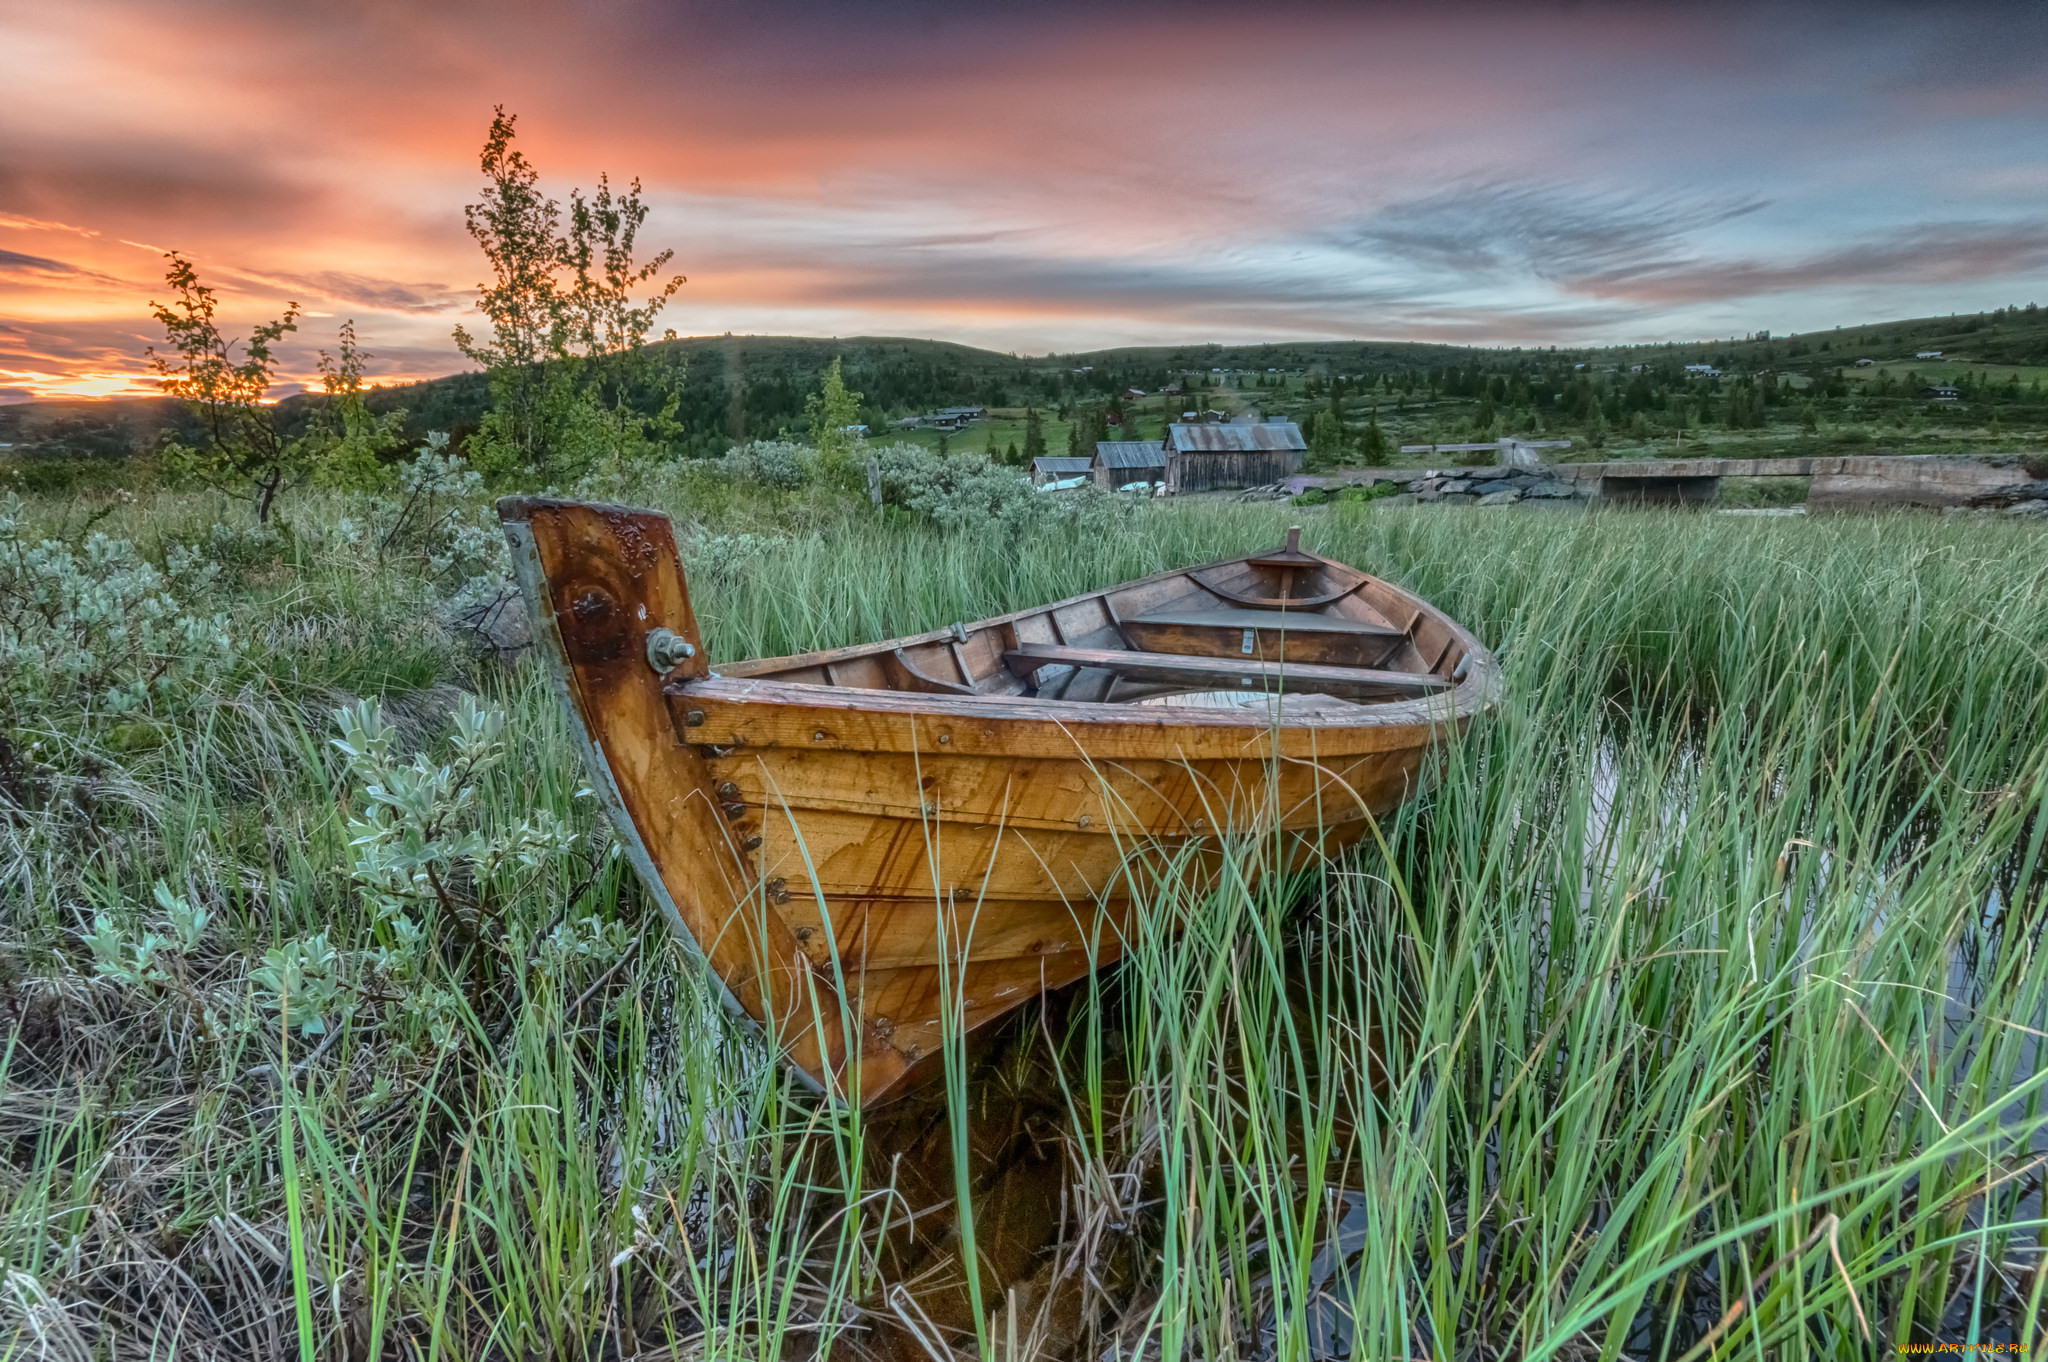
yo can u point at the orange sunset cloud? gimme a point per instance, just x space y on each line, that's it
1027 178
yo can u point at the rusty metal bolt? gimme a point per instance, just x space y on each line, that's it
667 650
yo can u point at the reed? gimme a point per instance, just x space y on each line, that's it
1696 1012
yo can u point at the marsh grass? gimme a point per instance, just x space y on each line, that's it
1697 1010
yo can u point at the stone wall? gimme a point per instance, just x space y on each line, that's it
1856 482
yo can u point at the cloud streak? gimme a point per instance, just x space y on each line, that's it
1939 254
1038 178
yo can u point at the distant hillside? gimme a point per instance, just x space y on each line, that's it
90 429
741 387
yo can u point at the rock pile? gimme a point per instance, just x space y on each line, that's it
1447 487
1488 487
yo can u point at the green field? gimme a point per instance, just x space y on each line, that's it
1707 977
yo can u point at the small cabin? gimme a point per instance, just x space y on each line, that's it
1206 458
1119 463
1941 392
1058 468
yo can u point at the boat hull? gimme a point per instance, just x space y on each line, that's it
869 871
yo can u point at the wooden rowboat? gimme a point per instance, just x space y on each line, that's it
853 838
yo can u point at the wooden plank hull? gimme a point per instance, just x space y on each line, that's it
856 839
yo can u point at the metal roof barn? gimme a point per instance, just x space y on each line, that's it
1208 439
1205 458
1053 466
1122 461
1130 454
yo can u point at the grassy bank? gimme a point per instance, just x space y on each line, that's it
1698 1009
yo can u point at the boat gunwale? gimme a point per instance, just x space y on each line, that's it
1475 694
1478 691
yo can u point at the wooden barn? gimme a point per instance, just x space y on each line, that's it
1058 468
1118 463
1205 458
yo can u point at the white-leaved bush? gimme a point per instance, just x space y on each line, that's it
94 638
719 562
439 522
970 492
144 958
438 872
445 879
781 464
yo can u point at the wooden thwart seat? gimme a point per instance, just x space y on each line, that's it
1293 621
1221 673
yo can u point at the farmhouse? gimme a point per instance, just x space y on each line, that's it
1927 354
1121 462
946 418
1203 458
1941 392
1058 468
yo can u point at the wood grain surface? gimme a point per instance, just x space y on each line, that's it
824 826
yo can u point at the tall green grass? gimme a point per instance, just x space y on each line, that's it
1697 1010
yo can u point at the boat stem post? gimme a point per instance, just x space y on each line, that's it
610 612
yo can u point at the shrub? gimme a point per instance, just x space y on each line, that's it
1314 496
779 464
438 525
437 869
972 492
92 634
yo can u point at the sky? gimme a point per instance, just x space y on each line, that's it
1029 177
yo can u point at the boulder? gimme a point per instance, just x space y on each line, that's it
1549 489
496 623
1505 497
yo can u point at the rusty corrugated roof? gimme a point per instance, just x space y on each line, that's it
1271 435
1130 453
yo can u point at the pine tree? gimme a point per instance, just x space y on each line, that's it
1325 442
1034 436
1090 425
1373 446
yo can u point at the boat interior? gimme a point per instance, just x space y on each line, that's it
1283 621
